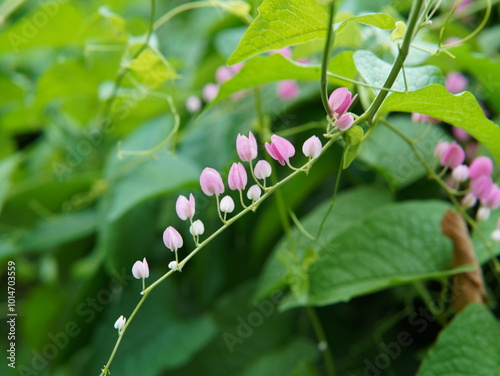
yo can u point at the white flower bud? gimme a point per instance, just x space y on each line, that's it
140 269
254 192
120 323
226 204
173 265
495 235
483 214
469 200
197 228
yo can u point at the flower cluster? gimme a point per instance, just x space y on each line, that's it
481 187
340 101
212 184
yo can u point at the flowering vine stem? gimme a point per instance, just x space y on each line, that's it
368 115
269 191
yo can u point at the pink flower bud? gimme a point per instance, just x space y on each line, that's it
210 91
237 179
481 186
197 228
223 74
483 214
211 182
285 51
280 149
460 134
172 239
456 82
185 208
120 323
262 169
453 156
460 173
441 148
193 104
312 147
140 269
492 199
344 122
480 166
287 89
227 204
421 118
236 67
340 100
469 200
246 147
254 192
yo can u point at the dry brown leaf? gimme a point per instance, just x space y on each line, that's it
468 287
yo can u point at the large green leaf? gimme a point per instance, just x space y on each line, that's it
253 338
151 68
350 207
52 24
467 347
485 69
284 361
375 71
59 229
281 23
387 248
398 164
462 111
264 69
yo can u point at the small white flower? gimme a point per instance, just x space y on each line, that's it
140 269
254 192
460 173
197 228
495 235
483 214
120 323
226 204
469 200
173 265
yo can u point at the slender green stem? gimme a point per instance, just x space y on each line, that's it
182 8
105 371
361 83
330 40
320 334
398 64
334 197
429 302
